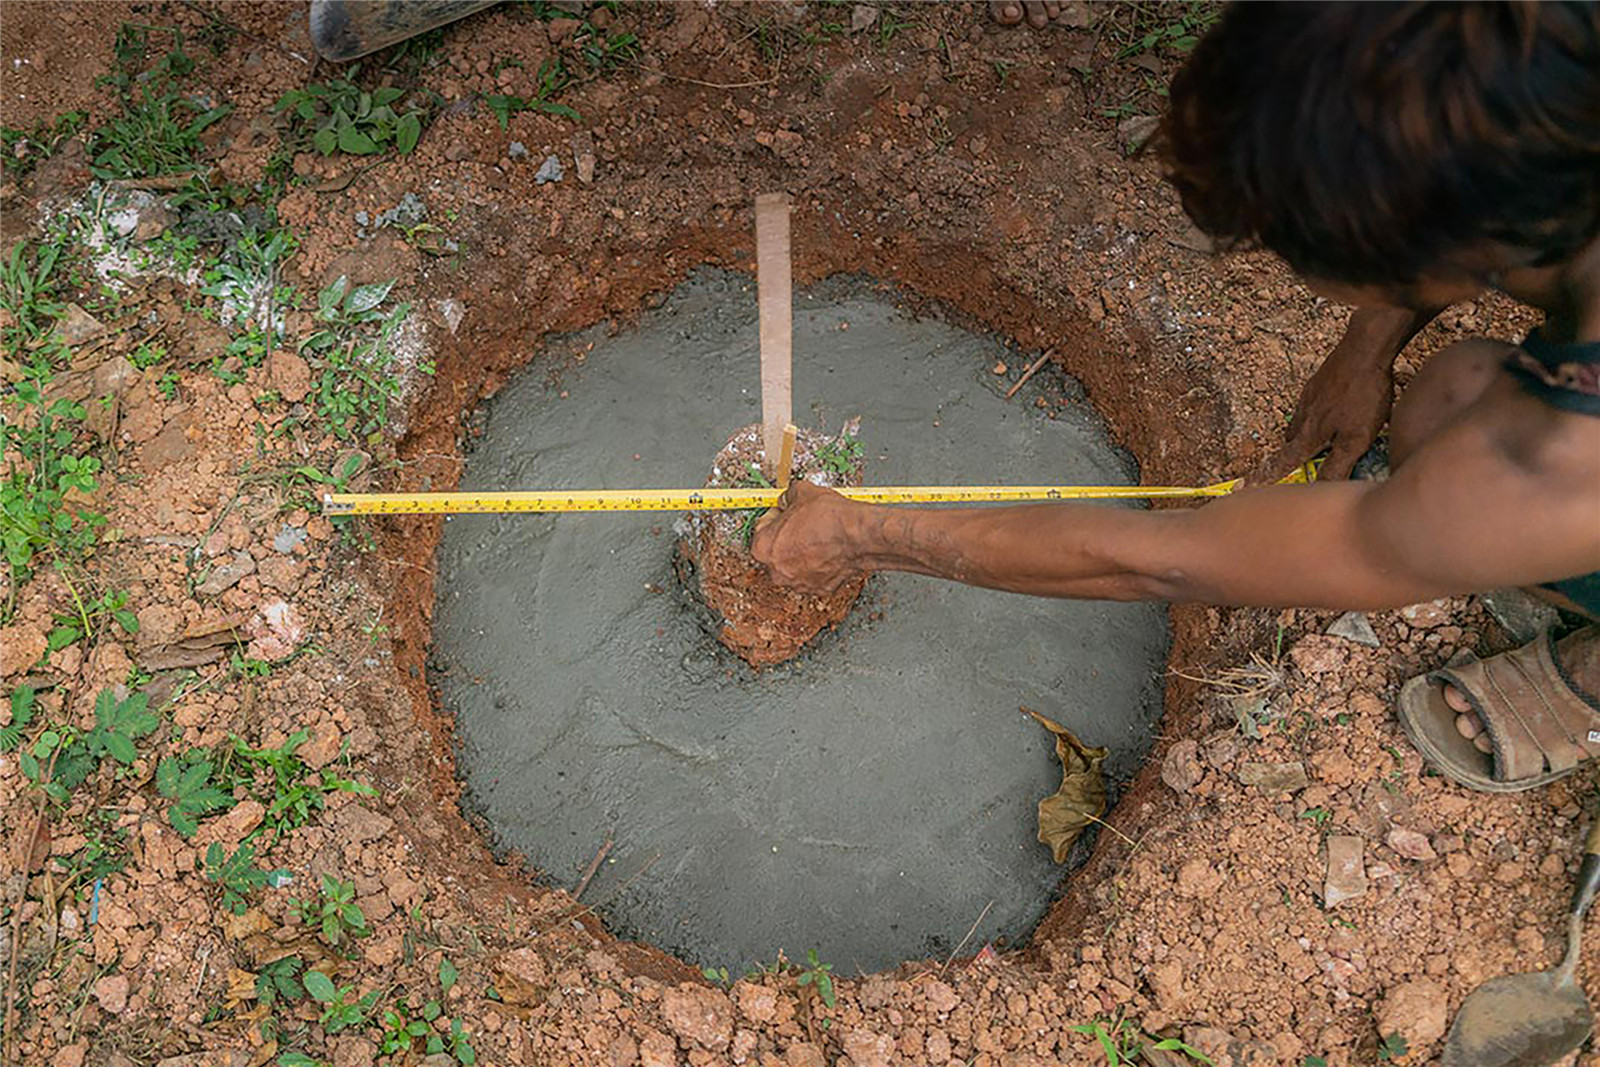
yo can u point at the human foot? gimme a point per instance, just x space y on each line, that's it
1512 721
1039 13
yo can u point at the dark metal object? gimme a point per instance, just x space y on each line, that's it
348 29
1531 1019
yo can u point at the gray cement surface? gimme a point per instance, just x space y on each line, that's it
870 798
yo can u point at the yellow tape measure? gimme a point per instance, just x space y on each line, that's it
562 500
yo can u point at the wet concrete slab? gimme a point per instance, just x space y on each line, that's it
866 800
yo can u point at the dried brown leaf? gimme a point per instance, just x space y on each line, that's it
1081 799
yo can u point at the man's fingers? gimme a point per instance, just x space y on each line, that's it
1341 459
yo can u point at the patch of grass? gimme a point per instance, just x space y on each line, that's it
340 116
400 1031
1123 1042
293 794
354 349
21 150
1393 1048
91 615
280 980
1170 27
44 499
159 129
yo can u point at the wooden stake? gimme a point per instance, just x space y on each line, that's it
774 290
786 456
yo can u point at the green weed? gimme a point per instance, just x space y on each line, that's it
75 754
238 875
553 78
43 499
280 980
1122 1041
159 129
341 1008
73 626
819 975
294 794
186 781
355 386
400 1031
1393 1048
340 116
21 150
335 913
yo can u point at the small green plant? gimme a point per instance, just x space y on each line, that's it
237 874
300 1059
447 976
718 975
1123 1041
553 78
147 355
335 915
1174 27
842 455
1393 1047
1314 1061
21 150
819 975
294 794
400 1031
340 116
50 477
1318 817
168 385
456 1043
70 627
341 1008
187 782
280 980
75 755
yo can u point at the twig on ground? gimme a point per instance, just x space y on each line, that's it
1030 372
963 943
594 865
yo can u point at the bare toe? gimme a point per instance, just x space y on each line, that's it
1468 726
1038 17
1006 12
1483 744
1457 700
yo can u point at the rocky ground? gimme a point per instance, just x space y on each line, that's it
1283 885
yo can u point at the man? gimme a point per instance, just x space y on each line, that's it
1400 157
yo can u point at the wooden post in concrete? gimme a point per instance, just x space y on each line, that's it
774 287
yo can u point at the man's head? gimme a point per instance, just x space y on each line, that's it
1414 150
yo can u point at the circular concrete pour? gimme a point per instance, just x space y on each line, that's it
866 800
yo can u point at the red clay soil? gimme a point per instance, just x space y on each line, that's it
981 167
761 622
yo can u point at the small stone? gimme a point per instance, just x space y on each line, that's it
70 1056
1411 845
1347 877
583 156
1426 616
227 575
1197 878
1136 130
517 150
1552 866
1180 768
229 829
112 993
560 29
323 748
549 172
358 825
804 1054
290 375
862 16
1509 873
698 1015
1355 626
287 538
77 326
658 1050
1318 655
867 1049
999 367
20 648
1275 777
1416 1011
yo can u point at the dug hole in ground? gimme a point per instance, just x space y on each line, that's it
961 164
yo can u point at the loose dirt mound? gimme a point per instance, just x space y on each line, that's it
762 622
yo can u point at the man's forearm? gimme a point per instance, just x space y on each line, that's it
1375 336
1268 547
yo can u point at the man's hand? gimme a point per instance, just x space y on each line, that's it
1346 403
805 541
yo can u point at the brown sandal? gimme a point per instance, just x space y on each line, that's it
1541 727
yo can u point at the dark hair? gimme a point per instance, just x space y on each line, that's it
1366 143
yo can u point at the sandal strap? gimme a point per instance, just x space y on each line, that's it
1535 719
